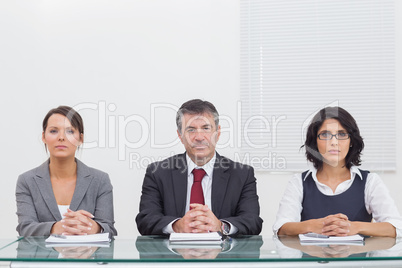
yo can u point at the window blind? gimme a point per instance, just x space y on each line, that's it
298 57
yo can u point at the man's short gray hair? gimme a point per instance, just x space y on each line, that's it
196 106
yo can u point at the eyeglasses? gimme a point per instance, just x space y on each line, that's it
338 136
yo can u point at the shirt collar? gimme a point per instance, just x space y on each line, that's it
208 167
353 172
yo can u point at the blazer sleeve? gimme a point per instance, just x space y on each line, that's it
246 217
28 222
152 219
104 213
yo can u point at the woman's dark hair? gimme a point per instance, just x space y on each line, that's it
71 114
348 122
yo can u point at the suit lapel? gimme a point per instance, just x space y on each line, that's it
84 179
220 180
179 179
42 179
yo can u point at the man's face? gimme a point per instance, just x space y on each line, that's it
199 136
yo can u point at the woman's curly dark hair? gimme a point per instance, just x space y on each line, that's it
348 122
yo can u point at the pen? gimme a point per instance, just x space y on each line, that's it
316 235
59 236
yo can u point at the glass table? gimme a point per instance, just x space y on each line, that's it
156 251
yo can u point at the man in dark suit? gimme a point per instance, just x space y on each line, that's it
199 191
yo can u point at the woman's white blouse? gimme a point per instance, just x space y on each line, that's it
63 209
376 197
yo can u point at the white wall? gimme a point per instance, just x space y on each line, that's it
130 54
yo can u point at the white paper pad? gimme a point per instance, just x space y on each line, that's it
312 238
78 239
195 238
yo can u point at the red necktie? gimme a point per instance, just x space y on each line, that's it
197 196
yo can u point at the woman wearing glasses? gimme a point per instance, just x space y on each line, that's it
335 197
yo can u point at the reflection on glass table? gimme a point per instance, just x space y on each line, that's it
245 248
4 243
290 247
36 248
156 247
